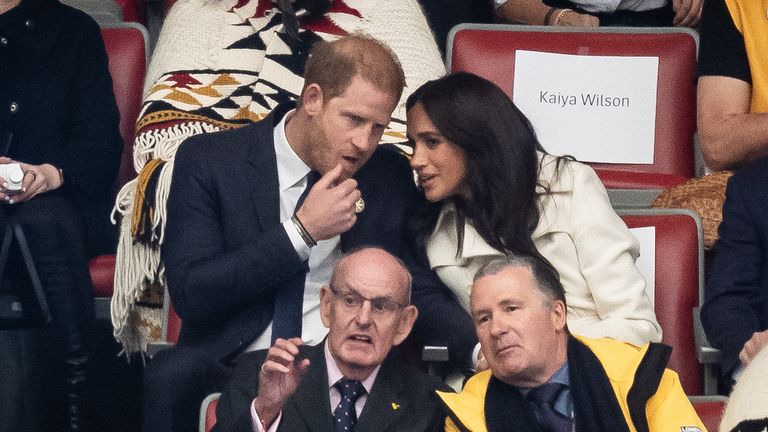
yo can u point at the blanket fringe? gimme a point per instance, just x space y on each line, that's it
137 267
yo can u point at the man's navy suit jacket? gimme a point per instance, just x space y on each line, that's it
226 253
401 399
736 303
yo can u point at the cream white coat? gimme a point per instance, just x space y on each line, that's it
586 241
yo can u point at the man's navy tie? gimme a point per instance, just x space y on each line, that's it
344 416
286 321
544 397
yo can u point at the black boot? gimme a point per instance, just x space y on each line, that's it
79 405
55 236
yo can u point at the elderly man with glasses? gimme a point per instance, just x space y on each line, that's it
349 382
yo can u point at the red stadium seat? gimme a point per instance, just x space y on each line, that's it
102 275
171 322
489 51
678 282
133 11
127 46
208 412
710 410
171 327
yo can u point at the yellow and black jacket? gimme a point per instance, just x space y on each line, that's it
646 395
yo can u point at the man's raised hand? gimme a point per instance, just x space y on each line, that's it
329 208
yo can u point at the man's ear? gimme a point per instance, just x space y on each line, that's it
558 314
312 99
325 306
405 324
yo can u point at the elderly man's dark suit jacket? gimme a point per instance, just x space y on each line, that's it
226 253
401 398
737 292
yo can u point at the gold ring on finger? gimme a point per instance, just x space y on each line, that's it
359 205
32 173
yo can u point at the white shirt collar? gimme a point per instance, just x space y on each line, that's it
291 169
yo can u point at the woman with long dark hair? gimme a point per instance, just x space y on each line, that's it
494 190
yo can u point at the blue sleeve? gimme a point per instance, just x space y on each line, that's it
735 293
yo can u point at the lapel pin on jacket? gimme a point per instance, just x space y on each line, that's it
395 406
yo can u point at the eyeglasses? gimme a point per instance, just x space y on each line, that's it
353 301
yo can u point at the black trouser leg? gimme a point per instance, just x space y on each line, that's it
54 231
175 383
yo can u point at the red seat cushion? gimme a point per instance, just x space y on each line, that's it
103 275
710 413
676 290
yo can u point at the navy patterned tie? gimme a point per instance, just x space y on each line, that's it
289 301
544 397
312 178
344 416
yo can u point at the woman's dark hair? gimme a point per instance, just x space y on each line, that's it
502 165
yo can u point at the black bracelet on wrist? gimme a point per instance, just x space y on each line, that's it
303 231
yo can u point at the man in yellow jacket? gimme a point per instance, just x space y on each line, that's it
542 378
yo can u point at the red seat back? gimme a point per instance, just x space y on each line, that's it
710 410
126 47
127 50
678 252
173 324
489 51
208 412
133 11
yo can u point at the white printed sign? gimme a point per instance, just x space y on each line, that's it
646 262
596 108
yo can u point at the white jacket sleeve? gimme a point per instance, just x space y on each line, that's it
606 253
